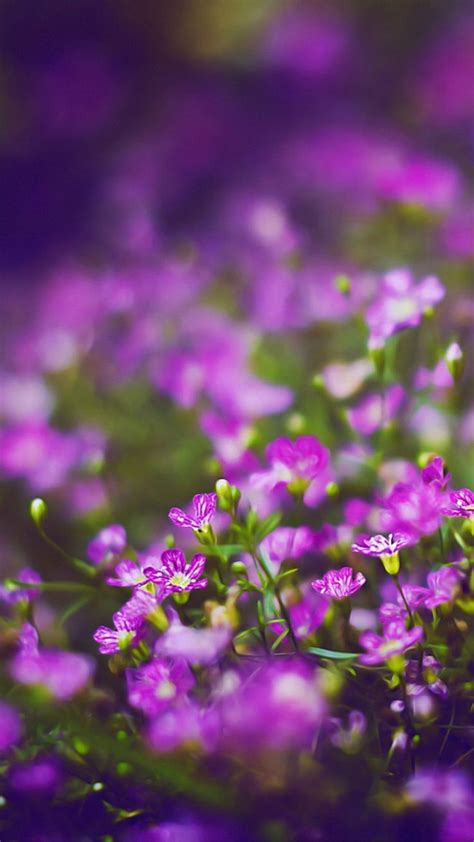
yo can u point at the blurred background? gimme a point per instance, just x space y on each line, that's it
217 180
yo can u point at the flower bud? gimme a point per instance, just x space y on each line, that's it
228 495
38 510
455 361
343 284
238 568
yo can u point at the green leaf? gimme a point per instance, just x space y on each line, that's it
245 633
279 639
267 526
330 653
286 573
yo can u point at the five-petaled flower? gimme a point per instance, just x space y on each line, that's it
127 630
396 640
338 584
204 508
294 464
462 503
176 575
379 545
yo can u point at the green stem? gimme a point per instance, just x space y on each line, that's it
261 561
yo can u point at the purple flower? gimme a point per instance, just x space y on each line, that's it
155 686
184 723
176 575
401 304
278 706
443 585
348 739
462 503
339 584
63 674
287 542
197 646
396 640
435 474
306 615
413 508
109 542
10 727
373 411
428 679
128 574
390 611
127 632
204 507
41 775
294 464
379 545
14 593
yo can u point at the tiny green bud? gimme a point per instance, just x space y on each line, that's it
416 740
98 786
169 541
295 423
397 664
454 358
238 568
38 510
332 489
343 284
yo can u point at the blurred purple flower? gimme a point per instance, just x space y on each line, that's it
418 682
374 410
107 544
401 304
62 674
396 640
10 726
197 646
155 686
287 542
295 465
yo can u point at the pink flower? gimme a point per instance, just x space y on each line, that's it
155 686
434 473
379 545
443 585
10 726
287 542
396 640
294 464
128 574
109 542
204 507
197 646
462 503
401 304
63 674
373 411
127 631
175 575
339 584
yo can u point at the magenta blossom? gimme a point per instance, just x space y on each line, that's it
401 304
12 594
175 575
396 640
443 586
462 503
107 544
128 631
306 615
155 686
435 473
62 674
197 646
379 545
10 726
413 508
428 679
339 584
294 464
372 412
204 507
287 542
128 574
